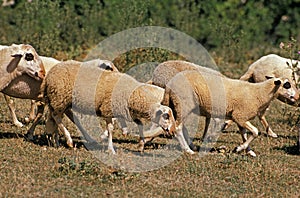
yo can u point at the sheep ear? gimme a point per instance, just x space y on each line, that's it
106 67
12 65
157 115
277 81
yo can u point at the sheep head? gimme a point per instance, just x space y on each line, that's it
163 117
288 91
24 60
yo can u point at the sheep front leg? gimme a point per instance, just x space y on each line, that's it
110 128
76 121
267 127
245 145
58 120
180 137
12 109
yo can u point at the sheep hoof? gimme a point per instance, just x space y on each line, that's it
224 126
272 134
27 120
70 144
18 124
189 151
29 137
251 153
237 149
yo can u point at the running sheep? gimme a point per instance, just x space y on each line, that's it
89 90
217 96
276 66
20 66
35 88
23 84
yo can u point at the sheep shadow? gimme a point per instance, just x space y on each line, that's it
291 150
11 135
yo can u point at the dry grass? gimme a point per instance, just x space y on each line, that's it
33 169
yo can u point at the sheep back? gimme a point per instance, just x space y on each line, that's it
165 71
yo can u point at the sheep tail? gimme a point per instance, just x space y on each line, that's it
43 94
166 99
248 76
150 82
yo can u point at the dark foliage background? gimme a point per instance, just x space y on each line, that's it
236 30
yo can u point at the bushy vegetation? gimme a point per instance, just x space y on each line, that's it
235 29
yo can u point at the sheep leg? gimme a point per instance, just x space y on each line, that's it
32 114
264 122
207 122
110 128
226 125
76 121
52 131
40 111
244 137
188 139
58 120
245 145
123 125
149 135
180 137
12 109
298 143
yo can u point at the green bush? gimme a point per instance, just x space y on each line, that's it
232 28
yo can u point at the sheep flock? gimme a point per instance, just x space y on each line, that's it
177 90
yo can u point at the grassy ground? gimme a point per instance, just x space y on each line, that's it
34 169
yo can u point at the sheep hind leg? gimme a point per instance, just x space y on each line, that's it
12 109
76 121
110 128
32 114
244 137
245 145
40 111
52 131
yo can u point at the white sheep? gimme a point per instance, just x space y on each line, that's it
35 89
165 71
48 63
110 95
274 66
19 62
243 100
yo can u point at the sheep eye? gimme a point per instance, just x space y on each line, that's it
287 85
166 116
105 67
28 57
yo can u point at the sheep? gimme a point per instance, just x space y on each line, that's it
17 63
116 95
48 63
243 100
102 64
165 71
273 66
20 59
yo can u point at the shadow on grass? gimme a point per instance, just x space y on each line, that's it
10 135
291 150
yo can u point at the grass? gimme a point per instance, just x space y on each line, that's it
34 169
